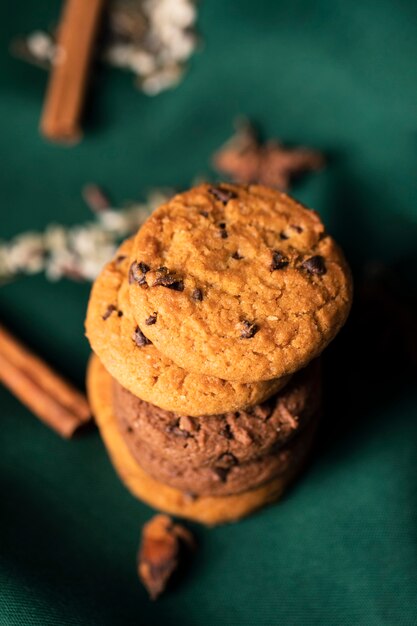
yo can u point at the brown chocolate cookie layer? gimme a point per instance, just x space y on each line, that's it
243 435
205 509
226 477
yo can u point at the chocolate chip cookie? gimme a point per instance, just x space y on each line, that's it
243 283
127 353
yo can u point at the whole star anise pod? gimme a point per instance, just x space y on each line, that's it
245 159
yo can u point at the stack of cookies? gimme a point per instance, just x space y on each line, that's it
206 329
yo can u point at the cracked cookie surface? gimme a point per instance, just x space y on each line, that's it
244 281
132 360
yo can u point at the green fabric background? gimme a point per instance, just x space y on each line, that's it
342 547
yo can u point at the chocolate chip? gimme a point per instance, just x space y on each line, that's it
119 313
222 473
222 232
249 330
143 267
315 265
279 261
226 432
237 256
137 273
168 279
108 312
223 195
224 464
151 319
283 236
298 229
204 213
120 258
177 286
197 295
139 338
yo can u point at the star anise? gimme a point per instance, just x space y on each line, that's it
245 159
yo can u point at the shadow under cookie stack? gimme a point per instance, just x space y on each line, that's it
206 328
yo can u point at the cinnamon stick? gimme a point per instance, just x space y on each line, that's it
56 402
68 81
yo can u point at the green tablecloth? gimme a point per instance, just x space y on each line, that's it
342 547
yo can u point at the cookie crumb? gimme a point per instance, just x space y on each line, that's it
188 424
139 338
163 546
177 429
249 330
315 265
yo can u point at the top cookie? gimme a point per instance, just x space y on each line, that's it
118 341
244 282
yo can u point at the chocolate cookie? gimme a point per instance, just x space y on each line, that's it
244 282
226 477
206 509
131 358
241 436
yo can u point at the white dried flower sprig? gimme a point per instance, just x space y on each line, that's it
78 252
152 38
158 57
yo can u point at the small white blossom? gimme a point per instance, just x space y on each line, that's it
78 252
164 79
41 45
